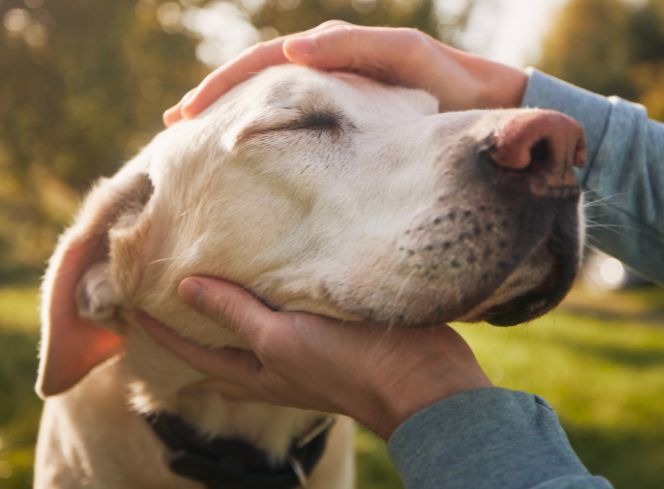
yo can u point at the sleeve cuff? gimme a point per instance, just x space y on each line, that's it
488 437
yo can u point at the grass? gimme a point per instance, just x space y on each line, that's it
599 360
19 406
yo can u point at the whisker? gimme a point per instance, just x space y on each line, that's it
619 229
612 226
601 200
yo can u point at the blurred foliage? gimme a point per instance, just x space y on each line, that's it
278 17
286 16
84 83
612 47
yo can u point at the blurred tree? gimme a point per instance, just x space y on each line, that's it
84 83
612 47
444 20
82 86
647 71
287 16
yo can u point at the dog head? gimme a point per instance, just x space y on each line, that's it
326 193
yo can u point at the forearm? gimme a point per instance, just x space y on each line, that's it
487 438
624 174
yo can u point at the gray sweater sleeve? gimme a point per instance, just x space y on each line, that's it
623 177
487 439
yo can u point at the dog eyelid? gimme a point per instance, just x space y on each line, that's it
320 120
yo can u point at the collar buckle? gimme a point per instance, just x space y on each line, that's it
323 425
299 472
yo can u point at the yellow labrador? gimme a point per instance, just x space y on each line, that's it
326 193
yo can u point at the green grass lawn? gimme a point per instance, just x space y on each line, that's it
599 360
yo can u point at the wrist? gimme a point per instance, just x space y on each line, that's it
467 81
412 389
394 414
502 86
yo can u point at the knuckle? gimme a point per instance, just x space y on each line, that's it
225 310
416 44
345 31
333 23
261 345
412 38
212 83
268 343
345 38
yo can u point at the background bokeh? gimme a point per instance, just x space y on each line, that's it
82 87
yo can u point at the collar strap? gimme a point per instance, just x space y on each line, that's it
231 463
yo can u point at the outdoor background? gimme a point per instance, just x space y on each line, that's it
82 87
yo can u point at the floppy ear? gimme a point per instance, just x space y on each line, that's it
79 298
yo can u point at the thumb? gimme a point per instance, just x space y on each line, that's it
230 305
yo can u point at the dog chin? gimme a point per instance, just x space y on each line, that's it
512 304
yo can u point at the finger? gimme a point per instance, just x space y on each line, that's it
222 79
355 47
229 364
230 305
174 114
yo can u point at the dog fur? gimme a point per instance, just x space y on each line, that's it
326 193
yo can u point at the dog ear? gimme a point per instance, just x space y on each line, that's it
79 298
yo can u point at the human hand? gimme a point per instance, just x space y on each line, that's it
379 376
399 56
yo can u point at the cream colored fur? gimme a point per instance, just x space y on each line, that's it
331 216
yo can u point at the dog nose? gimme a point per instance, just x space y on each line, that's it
543 146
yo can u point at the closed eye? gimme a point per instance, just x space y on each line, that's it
323 121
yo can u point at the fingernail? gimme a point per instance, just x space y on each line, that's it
301 46
191 291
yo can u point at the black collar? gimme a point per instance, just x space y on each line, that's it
235 464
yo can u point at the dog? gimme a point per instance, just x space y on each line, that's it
321 192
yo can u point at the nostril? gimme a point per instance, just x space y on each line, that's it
540 153
535 152
547 140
